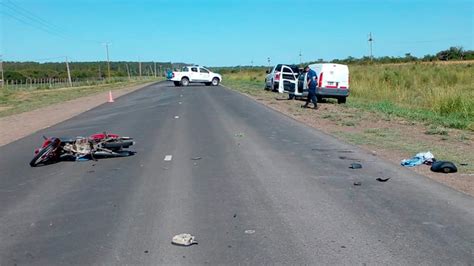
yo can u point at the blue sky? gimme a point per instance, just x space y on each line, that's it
230 32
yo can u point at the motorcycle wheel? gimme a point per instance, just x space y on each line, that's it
43 155
117 145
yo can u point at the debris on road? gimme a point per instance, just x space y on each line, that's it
357 183
196 158
418 159
444 167
249 232
240 135
381 179
184 240
355 166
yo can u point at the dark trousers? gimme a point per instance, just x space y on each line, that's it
312 97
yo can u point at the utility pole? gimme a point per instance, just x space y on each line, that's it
370 40
68 73
268 60
128 72
108 61
155 68
1 70
140 68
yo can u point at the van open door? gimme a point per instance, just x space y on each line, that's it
288 80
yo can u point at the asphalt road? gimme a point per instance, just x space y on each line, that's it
265 190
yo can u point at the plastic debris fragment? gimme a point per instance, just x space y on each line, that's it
355 166
184 240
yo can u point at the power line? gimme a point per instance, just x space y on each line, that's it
22 20
35 17
29 18
25 14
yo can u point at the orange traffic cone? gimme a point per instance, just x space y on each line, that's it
111 98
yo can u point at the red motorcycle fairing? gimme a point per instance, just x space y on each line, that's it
100 136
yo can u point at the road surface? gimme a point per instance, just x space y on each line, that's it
262 189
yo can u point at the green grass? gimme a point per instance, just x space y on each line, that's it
436 94
14 101
433 93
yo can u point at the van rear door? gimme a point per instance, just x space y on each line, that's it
289 80
334 76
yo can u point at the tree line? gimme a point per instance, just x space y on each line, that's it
22 71
451 54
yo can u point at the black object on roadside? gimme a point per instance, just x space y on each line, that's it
357 183
444 167
355 166
196 158
382 179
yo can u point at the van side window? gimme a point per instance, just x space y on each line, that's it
194 69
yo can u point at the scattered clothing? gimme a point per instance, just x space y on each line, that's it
419 158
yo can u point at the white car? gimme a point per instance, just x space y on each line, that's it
194 74
277 73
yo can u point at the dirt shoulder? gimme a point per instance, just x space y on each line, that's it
17 126
391 138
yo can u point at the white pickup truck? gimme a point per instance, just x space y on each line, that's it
194 74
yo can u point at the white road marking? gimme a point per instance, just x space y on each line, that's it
180 102
168 157
176 116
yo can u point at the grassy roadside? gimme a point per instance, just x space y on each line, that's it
15 101
401 129
434 94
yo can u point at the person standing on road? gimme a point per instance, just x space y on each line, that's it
311 79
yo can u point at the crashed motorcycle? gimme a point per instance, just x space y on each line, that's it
102 145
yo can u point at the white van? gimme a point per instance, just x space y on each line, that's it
333 82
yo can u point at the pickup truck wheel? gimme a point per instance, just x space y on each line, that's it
177 83
341 100
184 81
215 81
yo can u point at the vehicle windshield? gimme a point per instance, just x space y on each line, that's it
294 68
